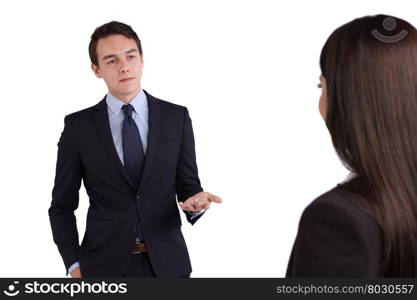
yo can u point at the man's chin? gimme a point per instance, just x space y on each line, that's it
126 93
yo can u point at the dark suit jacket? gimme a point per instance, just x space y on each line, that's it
86 152
337 238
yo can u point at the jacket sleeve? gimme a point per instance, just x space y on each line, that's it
187 181
65 196
336 240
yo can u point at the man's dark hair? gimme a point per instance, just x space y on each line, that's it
108 29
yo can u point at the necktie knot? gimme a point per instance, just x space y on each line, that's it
127 109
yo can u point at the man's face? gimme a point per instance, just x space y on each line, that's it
120 65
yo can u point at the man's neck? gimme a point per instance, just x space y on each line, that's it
126 98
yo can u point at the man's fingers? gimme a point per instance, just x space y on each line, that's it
201 205
187 206
214 198
182 205
206 205
192 203
199 202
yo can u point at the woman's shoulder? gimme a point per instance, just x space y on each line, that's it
345 199
344 213
337 236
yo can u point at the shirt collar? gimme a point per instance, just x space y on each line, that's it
349 177
139 103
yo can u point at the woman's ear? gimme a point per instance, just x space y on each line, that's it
323 98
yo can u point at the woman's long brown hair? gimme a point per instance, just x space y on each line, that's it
370 66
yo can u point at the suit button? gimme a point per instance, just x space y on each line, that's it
133 228
137 197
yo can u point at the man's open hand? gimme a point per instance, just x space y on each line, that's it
199 201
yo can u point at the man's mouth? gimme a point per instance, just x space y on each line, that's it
126 79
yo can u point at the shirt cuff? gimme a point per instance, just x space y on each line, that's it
194 214
73 266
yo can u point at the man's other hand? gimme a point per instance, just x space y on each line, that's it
76 273
199 201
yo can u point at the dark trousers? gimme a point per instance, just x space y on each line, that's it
140 266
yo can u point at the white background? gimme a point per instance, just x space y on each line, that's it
246 70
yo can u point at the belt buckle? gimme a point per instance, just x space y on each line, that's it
136 250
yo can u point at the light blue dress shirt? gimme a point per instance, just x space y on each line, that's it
116 116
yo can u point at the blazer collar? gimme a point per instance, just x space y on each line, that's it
155 119
101 121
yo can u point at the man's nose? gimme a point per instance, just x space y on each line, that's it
124 67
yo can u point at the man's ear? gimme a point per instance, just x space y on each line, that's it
141 57
96 70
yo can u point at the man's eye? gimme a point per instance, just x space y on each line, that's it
110 62
131 56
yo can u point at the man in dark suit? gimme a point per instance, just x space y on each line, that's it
135 153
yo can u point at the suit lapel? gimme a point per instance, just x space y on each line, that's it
101 121
153 136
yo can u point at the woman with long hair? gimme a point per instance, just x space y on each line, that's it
366 226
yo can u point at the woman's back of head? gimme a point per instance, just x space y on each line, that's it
370 68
